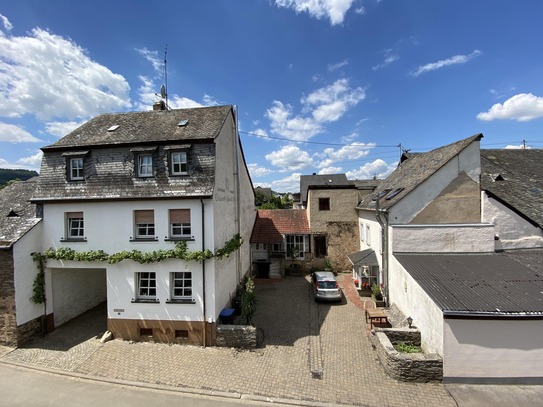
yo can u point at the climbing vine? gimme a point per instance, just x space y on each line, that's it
180 252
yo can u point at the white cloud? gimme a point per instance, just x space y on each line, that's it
334 10
294 128
353 151
288 184
522 107
331 170
377 168
519 147
454 60
15 134
148 96
210 101
153 58
360 10
39 74
290 158
331 102
389 58
61 129
33 161
5 22
257 171
336 66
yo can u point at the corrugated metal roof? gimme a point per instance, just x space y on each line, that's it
478 283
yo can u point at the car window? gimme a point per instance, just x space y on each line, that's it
327 284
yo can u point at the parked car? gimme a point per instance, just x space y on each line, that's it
325 286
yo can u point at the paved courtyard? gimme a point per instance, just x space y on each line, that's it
312 352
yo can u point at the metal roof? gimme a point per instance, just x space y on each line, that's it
363 258
494 284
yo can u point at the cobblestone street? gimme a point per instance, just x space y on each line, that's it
312 352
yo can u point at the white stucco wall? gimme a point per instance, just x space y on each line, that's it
25 273
468 161
493 349
514 232
411 299
478 238
76 291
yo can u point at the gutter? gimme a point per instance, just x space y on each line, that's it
237 221
204 275
489 315
382 218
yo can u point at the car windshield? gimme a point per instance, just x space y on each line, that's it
327 284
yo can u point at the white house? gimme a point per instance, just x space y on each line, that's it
434 228
141 184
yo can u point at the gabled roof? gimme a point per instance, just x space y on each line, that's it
271 224
153 126
17 214
321 181
515 177
363 258
413 171
479 284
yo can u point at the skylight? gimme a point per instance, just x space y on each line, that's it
381 194
183 123
114 127
393 193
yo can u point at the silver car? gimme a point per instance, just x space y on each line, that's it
325 287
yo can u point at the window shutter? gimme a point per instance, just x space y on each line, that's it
146 216
179 215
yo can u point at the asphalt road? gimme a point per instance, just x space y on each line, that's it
31 388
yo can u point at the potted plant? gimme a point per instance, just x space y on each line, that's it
377 295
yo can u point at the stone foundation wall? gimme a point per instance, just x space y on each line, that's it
413 367
236 336
29 330
8 321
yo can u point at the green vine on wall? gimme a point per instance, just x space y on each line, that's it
180 252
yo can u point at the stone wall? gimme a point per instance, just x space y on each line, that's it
8 321
413 367
236 336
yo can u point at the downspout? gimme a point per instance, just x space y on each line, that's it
236 179
204 275
382 218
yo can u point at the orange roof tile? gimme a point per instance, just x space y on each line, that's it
271 224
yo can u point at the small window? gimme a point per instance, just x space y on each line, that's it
368 235
278 247
324 204
180 223
179 163
181 285
76 169
145 165
144 221
182 334
381 194
146 285
75 225
146 332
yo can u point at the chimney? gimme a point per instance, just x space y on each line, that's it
159 105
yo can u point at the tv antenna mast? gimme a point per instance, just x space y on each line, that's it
164 87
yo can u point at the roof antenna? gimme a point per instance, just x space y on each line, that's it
164 87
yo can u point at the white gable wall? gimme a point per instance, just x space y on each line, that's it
513 231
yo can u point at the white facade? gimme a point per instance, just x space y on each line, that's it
494 350
512 230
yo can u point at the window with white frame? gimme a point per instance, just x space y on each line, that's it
180 223
362 232
144 224
297 246
145 165
146 285
181 285
76 168
179 163
75 225
368 235
278 247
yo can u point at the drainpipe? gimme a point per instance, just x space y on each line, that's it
204 275
236 179
382 218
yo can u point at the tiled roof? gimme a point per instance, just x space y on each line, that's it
17 215
153 126
493 284
271 224
413 171
364 258
515 177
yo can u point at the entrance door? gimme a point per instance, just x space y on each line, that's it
320 246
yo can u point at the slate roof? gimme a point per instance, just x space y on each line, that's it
110 157
493 284
413 171
17 214
321 181
271 224
515 177
153 126
363 258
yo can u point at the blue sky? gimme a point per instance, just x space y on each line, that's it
321 86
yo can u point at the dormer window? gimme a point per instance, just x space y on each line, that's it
145 165
178 163
76 169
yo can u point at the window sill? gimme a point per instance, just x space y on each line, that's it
74 240
144 239
143 301
179 239
180 301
